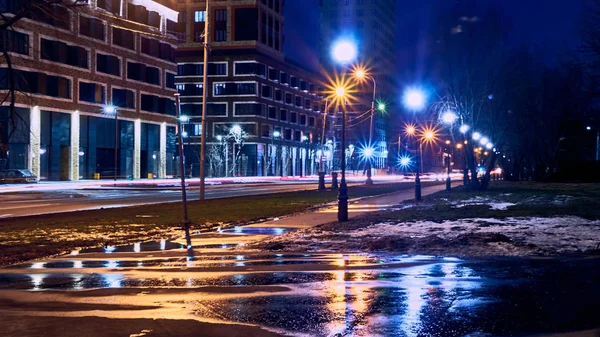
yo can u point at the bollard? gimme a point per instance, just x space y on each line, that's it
321 181
334 182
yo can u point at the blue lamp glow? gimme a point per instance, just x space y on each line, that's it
344 51
414 99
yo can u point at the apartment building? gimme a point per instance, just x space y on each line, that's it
253 90
90 80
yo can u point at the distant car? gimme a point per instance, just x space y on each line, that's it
17 176
409 176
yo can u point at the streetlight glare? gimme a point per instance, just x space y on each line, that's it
405 161
476 135
340 92
184 118
110 109
304 138
236 129
219 138
276 134
588 128
464 128
489 146
344 51
381 106
449 117
410 130
414 99
368 152
360 73
484 141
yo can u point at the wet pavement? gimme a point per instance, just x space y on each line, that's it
295 294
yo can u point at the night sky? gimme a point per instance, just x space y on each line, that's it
552 25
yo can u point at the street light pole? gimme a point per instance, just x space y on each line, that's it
417 179
369 180
343 192
204 98
116 144
186 221
448 182
321 172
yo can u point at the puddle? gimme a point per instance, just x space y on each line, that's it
255 230
150 246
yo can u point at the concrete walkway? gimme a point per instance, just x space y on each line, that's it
259 231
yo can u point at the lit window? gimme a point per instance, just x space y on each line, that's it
199 16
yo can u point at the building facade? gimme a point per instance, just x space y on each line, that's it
68 66
371 24
264 113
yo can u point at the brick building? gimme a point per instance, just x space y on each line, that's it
69 65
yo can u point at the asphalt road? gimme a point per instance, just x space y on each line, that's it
44 202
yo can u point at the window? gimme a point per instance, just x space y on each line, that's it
293 117
221 89
311 121
284 78
157 104
123 38
294 82
220 25
265 131
299 101
288 98
297 135
246 27
199 16
272 112
55 15
190 89
170 80
302 119
245 68
150 47
154 19
248 109
303 85
191 109
37 83
307 104
278 96
113 6
273 74
283 116
91 92
197 69
61 52
288 134
91 27
261 69
216 109
267 91
123 98
15 42
143 73
108 64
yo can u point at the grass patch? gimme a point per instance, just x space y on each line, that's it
32 237
531 199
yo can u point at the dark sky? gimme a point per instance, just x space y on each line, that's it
552 25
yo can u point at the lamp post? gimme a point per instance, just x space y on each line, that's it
204 99
343 192
304 166
111 110
449 118
361 74
186 221
414 99
277 134
321 171
448 181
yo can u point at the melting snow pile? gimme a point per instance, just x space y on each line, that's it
464 237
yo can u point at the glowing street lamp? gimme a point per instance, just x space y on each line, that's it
463 128
410 130
184 119
414 99
484 140
449 117
404 162
381 106
489 146
344 51
476 135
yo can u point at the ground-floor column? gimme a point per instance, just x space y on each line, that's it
35 136
162 166
74 153
137 148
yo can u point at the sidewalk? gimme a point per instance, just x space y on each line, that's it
259 231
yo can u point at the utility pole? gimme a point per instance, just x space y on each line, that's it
186 220
204 98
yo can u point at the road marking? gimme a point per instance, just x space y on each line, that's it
26 206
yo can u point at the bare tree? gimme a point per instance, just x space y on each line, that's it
11 12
